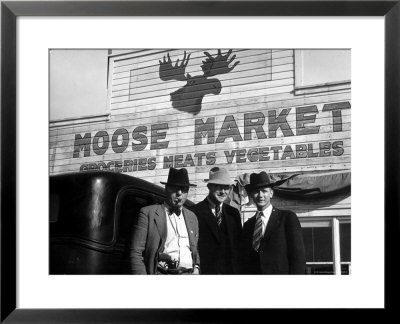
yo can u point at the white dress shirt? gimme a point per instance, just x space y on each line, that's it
177 244
265 218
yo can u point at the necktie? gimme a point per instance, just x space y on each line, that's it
257 235
177 211
218 214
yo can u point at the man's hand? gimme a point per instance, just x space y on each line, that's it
196 271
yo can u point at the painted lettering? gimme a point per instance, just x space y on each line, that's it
252 155
103 137
336 109
82 143
324 149
142 164
128 166
301 151
188 161
254 122
138 134
241 156
229 156
210 158
303 117
204 129
199 157
156 135
274 123
178 161
337 147
276 150
263 154
151 163
116 146
168 162
288 152
310 152
229 129
118 166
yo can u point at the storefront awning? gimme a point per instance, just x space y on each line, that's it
298 186
315 185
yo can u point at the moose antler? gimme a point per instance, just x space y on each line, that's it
170 72
218 65
189 97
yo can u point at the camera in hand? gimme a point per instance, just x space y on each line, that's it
172 264
169 263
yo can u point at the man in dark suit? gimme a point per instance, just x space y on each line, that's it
272 240
165 236
219 227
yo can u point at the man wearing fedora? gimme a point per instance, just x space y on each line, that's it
219 227
165 236
272 240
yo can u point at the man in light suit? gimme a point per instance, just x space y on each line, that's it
165 236
272 240
219 227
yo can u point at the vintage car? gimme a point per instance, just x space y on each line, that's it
91 217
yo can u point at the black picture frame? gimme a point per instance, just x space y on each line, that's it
10 10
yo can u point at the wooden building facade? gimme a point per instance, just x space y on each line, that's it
283 111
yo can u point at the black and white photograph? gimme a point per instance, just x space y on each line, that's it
200 161
197 161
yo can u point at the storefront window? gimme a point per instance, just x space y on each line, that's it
345 242
318 244
318 236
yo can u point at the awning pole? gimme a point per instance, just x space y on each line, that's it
336 247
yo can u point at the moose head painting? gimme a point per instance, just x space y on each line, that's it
189 97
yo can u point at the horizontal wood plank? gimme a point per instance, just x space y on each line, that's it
222 108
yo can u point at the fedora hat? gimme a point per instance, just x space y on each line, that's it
178 177
219 176
262 180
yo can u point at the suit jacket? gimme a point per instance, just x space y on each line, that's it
282 249
149 235
213 249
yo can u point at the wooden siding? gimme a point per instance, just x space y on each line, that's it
256 92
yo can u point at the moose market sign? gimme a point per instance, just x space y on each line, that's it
241 137
262 125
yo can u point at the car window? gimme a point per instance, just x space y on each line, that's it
128 206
